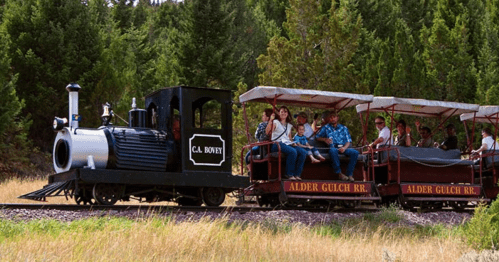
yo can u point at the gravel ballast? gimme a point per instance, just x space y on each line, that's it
281 216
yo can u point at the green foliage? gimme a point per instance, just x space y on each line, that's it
52 43
319 50
438 49
482 231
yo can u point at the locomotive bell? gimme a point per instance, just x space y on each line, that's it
106 115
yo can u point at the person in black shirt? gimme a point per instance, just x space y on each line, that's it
451 141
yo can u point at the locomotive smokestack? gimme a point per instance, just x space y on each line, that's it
73 89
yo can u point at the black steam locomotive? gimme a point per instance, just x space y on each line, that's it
177 149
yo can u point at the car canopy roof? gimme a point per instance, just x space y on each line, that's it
485 114
417 107
304 97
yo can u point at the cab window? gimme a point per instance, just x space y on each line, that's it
207 113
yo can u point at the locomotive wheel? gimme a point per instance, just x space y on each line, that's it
213 196
84 200
107 194
84 197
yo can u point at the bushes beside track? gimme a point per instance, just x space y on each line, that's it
482 231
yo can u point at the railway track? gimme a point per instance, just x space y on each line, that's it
180 209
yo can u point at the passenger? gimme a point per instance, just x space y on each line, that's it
302 119
424 132
426 140
451 141
176 127
260 133
280 127
324 121
488 142
404 134
384 137
301 141
338 138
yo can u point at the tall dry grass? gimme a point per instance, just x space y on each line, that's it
13 188
161 240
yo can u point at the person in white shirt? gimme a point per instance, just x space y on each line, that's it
280 128
488 142
384 137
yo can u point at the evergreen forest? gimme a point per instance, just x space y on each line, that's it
116 50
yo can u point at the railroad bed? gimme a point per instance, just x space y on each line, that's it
68 213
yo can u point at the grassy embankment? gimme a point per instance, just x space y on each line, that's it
106 239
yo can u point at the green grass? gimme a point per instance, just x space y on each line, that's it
370 223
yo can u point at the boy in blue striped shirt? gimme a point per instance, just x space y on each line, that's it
301 140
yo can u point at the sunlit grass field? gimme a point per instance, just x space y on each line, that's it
104 239
163 239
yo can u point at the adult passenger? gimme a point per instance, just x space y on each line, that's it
403 137
302 119
280 127
339 140
451 141
426 140
424 132
324 121
488 142
384 137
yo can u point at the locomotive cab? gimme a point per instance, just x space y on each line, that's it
205 125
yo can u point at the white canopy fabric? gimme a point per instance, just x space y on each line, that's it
304 97
417 107
483 115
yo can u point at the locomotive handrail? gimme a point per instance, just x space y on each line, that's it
371 151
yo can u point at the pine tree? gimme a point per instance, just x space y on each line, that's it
319 51
52 43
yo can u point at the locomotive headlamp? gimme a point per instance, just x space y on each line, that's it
59 123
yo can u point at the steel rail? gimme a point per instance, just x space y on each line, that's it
220 209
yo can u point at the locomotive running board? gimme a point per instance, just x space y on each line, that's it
333 197
50 190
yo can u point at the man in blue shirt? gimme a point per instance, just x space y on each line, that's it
339 140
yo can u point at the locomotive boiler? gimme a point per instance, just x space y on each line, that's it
178 149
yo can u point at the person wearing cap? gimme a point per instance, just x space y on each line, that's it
302 119
451 141
339 140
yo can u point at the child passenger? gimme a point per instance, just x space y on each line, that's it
301 141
